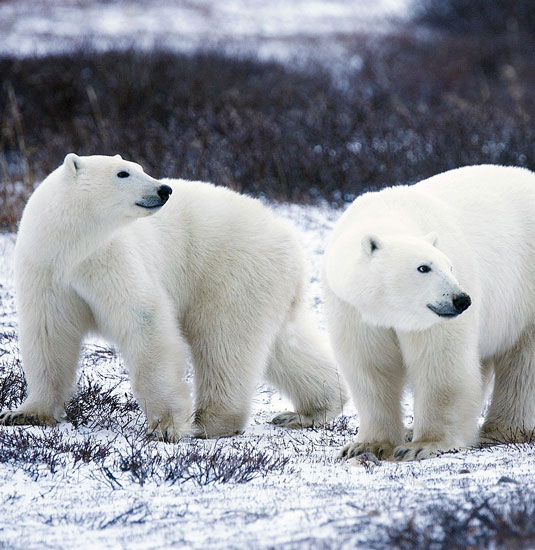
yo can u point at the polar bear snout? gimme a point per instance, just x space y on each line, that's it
461 302
155 201
164 191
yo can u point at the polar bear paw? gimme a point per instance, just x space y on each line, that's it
419 450
166 429
26 418
381 449
210 424
295 420
496 434
201 432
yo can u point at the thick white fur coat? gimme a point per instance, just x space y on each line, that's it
389 323
211 270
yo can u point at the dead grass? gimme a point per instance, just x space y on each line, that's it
474 521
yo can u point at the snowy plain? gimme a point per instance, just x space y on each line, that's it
281 29
300 496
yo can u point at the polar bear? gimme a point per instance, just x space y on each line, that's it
96 252
435 284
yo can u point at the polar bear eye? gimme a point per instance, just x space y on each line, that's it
424 268
123 174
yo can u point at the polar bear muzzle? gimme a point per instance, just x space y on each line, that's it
153 201
459 303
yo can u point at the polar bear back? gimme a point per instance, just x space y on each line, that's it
206 232
490 202
495 212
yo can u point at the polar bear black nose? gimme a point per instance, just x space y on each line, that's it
164 191
461 302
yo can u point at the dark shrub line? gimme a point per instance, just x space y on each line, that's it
414 108
220 463
477 16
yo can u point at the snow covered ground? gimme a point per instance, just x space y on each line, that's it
302 496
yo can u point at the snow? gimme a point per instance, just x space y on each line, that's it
269 28
314 501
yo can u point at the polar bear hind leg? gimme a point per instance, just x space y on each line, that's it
511 415
50 337
302 367
229 362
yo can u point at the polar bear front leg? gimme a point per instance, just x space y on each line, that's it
372 365
138 315
156 359
376 391
444 372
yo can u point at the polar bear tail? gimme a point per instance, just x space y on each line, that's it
302 367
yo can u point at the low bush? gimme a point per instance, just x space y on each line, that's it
503 522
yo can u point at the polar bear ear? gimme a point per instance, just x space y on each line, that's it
432 238
72 163
370 243
118 157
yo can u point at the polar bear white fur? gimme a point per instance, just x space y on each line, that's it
435 284
96 252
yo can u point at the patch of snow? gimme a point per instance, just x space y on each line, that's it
269 28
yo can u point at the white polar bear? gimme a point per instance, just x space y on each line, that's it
402 267
214 269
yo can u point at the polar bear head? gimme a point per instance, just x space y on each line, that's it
399 282
113 187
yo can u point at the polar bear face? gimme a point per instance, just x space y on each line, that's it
405 283
114 188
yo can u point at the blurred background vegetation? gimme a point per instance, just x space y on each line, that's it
453 86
